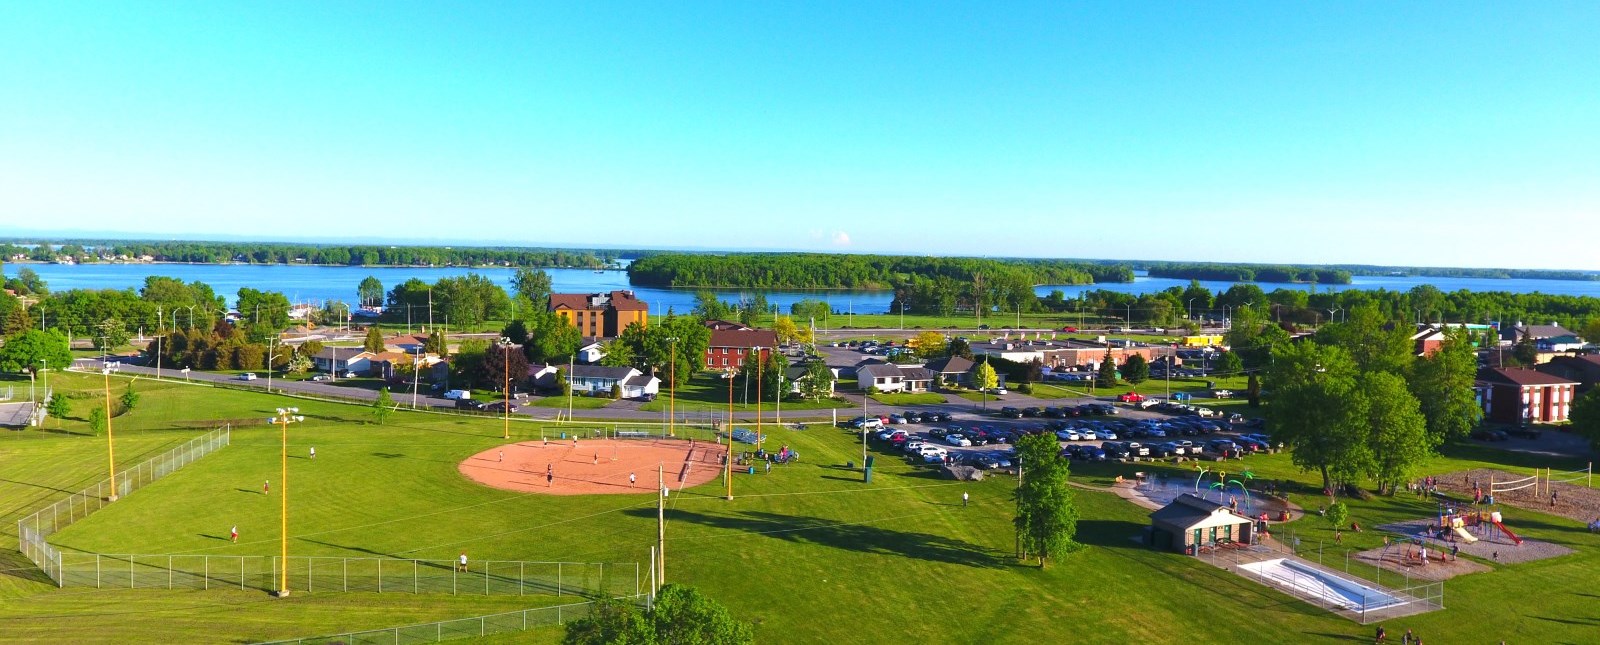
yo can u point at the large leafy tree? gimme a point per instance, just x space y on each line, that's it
370 292
679 615
785 329
1443 382
499 363
930 344
551 339
1315 408
1136 370
771 374
652 348
1228 364
1585 416
960 347
533 284
1046 519
263 314
1374 342
1399 437
818 382
25 351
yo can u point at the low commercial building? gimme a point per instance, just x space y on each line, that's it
888 377
342 360
1190 521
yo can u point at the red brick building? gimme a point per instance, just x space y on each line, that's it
1516 395
730 347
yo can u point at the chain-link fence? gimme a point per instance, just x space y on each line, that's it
33 530
475 627
1359 590
335 574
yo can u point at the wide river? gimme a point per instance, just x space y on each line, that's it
318 283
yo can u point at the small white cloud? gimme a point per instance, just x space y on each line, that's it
841 238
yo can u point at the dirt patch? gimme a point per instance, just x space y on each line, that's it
595 466
1572 500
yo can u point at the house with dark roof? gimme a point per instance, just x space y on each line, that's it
1583 368
1519 395
730 347
600 314
342 360
1519 331
598 379
794 376
888 377
951 370
1189 522
724 325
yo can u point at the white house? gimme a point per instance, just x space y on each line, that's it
600 379
888 377
340 360
591 352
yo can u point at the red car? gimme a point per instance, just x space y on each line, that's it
1070 329
1131 397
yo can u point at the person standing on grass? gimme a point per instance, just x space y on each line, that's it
462 565
964 499
313 453
266 488
233 534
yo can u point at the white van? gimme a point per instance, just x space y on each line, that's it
458 395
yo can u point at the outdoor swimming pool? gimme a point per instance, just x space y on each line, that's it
1306 581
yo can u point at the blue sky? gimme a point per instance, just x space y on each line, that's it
1413 133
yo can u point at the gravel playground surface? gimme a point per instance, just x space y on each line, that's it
1491 545
1573 500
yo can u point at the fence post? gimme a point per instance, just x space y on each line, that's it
241 573
169 572
346 566
521 568
130 572
485 577
454 572
414 588
96 571
558 579
207 579
308 573
380 575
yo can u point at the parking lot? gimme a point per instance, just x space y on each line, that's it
1088 431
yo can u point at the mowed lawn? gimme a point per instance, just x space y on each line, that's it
809 553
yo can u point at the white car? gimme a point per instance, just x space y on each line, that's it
321 377
933 453
1105 435
958 440
998 390
247 376
1068 435
915 446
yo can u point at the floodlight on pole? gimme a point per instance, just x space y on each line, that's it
111 445
284 417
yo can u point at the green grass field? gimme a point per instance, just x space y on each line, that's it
808 553
707 392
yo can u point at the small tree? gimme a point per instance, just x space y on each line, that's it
984 378
383 407
561 381
1229 364
1136 370
930 344
1046 519
960 347
818 381
1337 514
437 345
1525 352
374 340
616 391
97 421
129 399
680 614
1107 375
59 408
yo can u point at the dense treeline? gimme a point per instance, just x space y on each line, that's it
825 271
1463 272
1248 273
275 253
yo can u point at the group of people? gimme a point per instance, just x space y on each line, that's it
1408 638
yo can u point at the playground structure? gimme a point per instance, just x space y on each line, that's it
1457 522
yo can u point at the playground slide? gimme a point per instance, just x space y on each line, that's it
1465 536
1508 532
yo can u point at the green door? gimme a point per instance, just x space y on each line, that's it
1227 532
1197 541
1213 535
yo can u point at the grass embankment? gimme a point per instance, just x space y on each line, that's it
809 553
707 392
909 398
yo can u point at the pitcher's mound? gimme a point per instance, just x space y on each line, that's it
595 466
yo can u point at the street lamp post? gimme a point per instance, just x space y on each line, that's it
727 461
759 383
283 418
672 388
1191 307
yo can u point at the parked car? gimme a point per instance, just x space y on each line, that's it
457 395
1137 449
469 404
938 432
1171 448
1114 450
499 406
896 419
1032 412
321 378
1012 413
958 440
1068 435
1070 329
1052 413
912 416
1130 397
247 376
998 391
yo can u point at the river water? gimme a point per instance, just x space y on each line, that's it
318 283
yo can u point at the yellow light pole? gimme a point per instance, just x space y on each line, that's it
111 446
672 390
727 462
505 360
285 415
759 383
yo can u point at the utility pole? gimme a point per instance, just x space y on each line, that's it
672 388
759 383
111 445
505 362
285 415
727 473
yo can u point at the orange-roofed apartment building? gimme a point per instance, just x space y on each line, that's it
602 315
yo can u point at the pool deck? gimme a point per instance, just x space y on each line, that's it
1230 559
